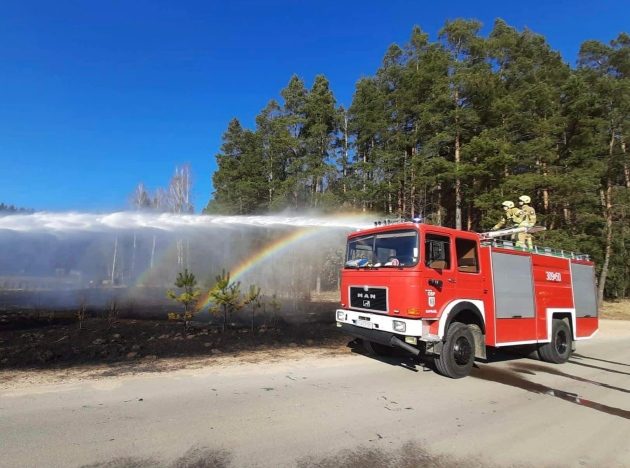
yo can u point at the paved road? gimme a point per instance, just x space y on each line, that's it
332 411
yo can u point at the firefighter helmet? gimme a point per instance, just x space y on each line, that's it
525 199
508 204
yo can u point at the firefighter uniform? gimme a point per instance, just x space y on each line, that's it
511 216
527 216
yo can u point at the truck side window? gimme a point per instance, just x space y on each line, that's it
466 255
437 252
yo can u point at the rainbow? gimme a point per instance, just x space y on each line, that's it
273 248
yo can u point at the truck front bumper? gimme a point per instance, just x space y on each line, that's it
381 323
382 329
376 336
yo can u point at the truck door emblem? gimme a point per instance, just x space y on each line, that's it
430 297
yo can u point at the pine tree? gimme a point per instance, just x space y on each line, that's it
241 181
295 95
226 296
606 71
187 283
319 126
366 123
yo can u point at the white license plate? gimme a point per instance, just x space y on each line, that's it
364 323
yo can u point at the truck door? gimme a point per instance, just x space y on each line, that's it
471 281
439 283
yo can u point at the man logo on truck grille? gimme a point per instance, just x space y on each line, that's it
374 299
366 296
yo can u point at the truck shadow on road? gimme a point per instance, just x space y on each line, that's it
512 378
526 367
399 358
573 361
395 357
580 356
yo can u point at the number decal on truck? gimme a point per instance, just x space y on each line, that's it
555 276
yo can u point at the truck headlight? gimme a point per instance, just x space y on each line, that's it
399 326
341 315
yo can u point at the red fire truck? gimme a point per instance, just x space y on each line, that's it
449 293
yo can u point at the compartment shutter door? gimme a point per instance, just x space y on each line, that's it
513 285
584 290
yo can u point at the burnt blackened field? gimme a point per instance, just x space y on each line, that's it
43 340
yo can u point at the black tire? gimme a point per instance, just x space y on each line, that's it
458 353
558 350
377 349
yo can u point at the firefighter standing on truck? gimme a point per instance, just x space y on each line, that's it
511 216
527 215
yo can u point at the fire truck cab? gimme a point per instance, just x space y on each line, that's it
450 293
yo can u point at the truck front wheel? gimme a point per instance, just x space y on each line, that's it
458 352
558 350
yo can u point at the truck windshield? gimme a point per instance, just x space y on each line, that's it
389 249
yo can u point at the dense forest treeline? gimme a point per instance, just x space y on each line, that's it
12 209
448 129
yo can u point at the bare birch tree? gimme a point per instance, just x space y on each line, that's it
179 201
140 199
179 190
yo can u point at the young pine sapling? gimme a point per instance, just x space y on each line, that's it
187 284
253 299
226 296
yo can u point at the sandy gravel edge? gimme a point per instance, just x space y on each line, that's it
15 379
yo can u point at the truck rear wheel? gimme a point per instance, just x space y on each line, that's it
458 352
377 349
558 350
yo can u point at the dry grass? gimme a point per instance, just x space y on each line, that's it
618 310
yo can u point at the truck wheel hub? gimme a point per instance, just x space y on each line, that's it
462 351
561 342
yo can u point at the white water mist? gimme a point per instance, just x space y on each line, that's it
56 259
131 220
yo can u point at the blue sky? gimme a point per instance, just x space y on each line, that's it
98 96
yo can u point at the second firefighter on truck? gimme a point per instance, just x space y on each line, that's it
528 219
513 217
